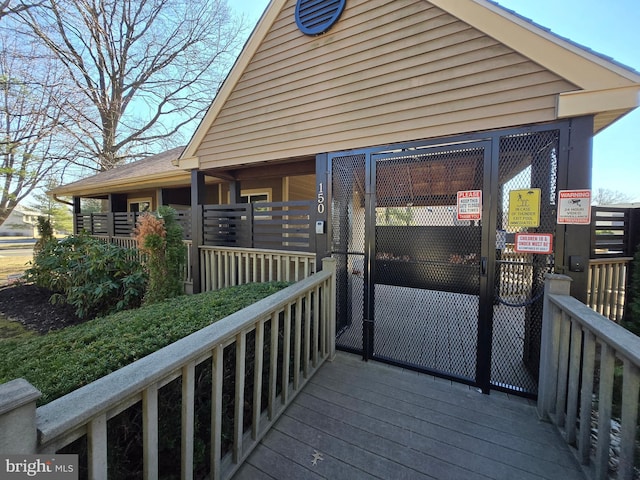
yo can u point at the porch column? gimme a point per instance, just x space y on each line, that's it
76 212
197 200
235 192
577 240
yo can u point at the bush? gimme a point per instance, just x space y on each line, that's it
67 359
46 234
96 278
64 360
160 237
632 315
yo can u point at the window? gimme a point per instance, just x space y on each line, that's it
254 198
139 205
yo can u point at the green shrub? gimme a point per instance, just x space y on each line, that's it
62 361
160 237
632 315
46 234
67 359
96 278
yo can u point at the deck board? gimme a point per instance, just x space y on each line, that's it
370 420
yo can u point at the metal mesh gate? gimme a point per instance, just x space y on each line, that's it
348 243
417 284
427 262
526 161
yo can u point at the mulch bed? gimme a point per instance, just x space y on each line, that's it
29 305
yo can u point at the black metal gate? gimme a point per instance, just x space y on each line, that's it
427 273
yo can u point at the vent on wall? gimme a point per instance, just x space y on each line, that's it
317 16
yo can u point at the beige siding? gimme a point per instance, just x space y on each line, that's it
387 72
302 187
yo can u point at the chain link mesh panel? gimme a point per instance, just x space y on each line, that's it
427 261
527 161
347 246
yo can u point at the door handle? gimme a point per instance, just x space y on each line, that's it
483 266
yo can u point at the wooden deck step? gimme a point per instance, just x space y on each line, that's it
365 420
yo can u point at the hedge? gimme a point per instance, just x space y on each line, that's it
62 361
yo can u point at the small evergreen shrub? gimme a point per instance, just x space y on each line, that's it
160 237
46 234
96 278
632 315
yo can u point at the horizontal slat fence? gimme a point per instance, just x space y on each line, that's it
222 267
273 225
93 223
589 383
227 225
611 232
277 344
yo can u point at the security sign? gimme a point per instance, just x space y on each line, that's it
470 205
534 243
574 207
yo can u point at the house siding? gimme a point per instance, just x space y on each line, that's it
387 72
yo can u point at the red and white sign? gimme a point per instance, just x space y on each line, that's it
534 243
574 207
470 205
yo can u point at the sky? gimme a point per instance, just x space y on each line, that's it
609 27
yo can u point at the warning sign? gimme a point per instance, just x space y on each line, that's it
574 207
524 208
470 205
534 243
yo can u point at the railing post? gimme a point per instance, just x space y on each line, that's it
111 226
329 264
554 284
18 432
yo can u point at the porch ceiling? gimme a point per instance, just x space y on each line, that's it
280 168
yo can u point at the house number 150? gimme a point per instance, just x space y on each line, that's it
320 198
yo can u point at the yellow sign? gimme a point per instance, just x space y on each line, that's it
524 208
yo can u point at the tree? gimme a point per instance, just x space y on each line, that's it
147 69
7 8
55 212
32 105
606 196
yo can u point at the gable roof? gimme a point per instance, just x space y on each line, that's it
150 172
598 85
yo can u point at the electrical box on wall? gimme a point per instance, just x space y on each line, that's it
319 227
576 263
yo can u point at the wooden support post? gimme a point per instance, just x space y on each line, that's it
197 200
549 349
18 432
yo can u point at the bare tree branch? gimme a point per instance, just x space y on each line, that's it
32 118
6 7
147 69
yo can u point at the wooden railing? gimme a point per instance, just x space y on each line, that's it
607 286
222 267
298 323
589 376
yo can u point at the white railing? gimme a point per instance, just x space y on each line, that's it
583 358
606 286
131 243
222 267
297 322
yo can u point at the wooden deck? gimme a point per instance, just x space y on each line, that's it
357 420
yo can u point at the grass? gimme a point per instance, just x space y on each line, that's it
11 265
13 330
64 360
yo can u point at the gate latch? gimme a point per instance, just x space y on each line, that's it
483 266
